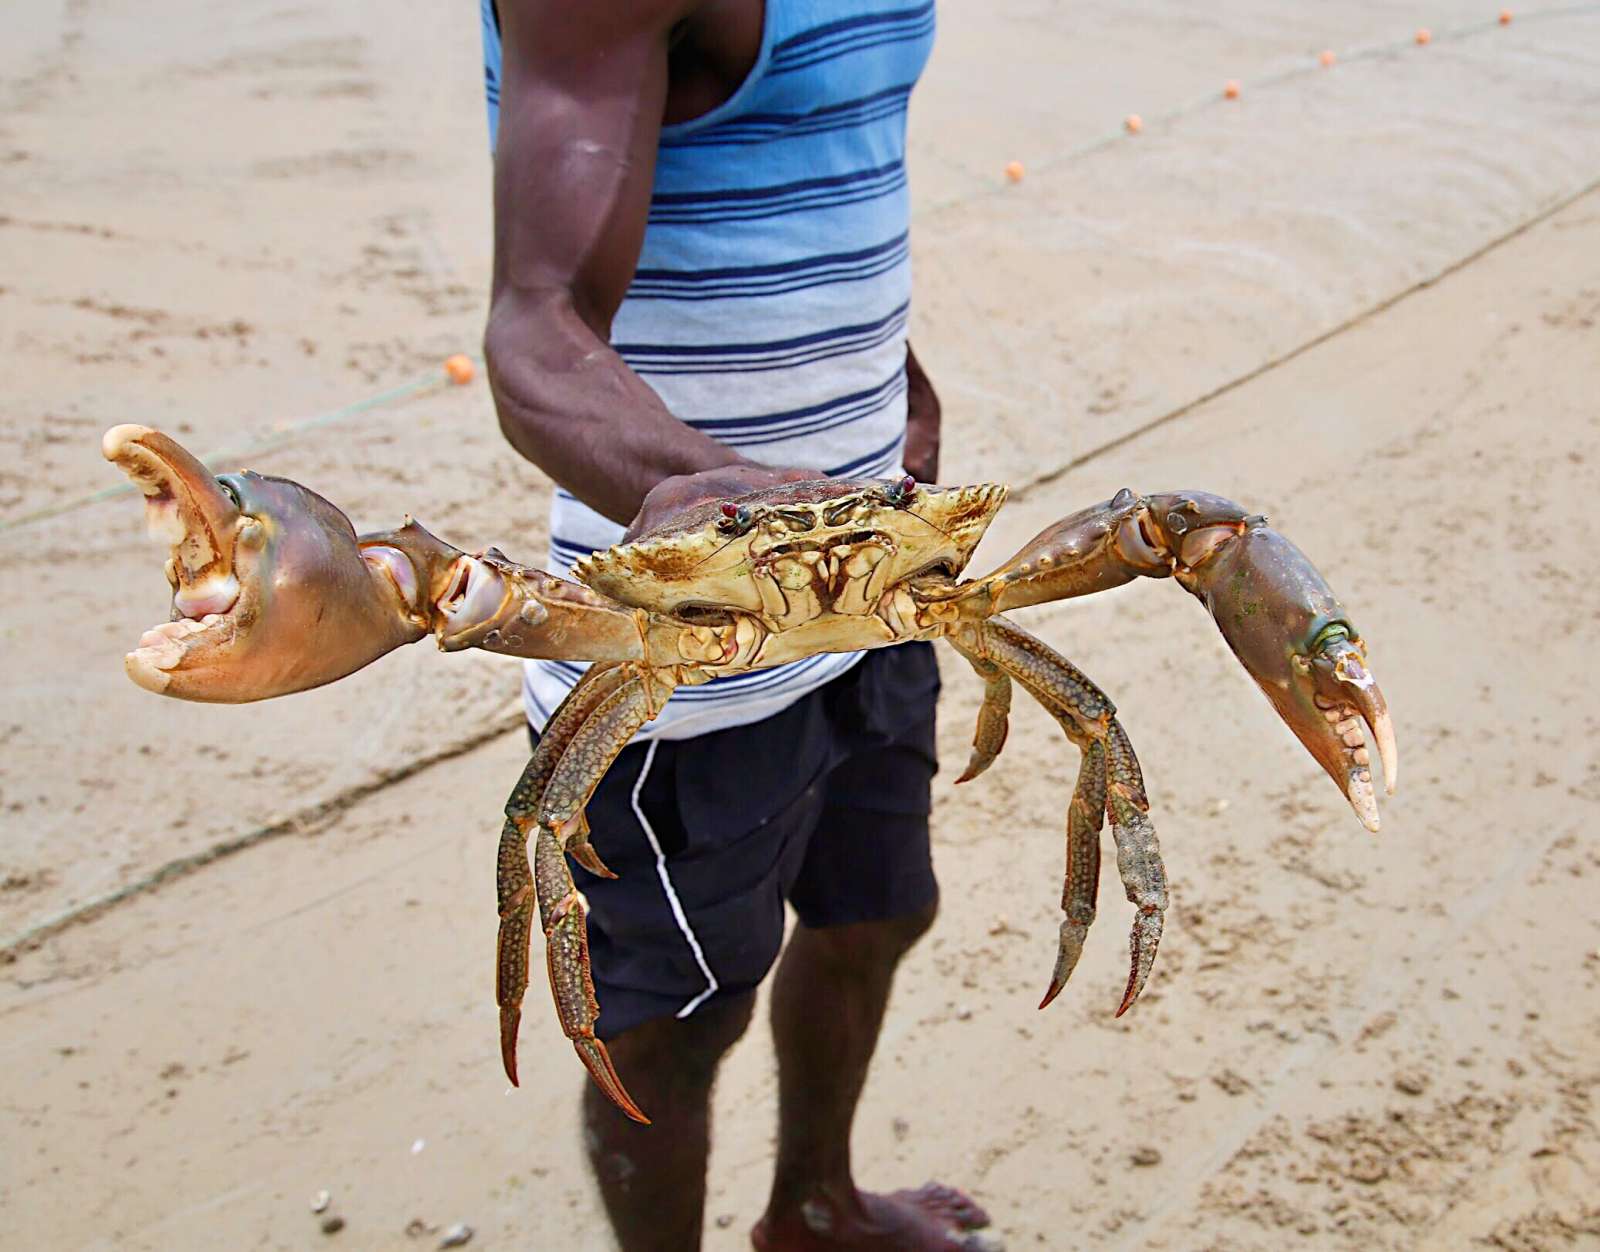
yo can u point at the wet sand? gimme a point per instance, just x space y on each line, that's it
221 223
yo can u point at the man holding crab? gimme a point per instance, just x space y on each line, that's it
701 288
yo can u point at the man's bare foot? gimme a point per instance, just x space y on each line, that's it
932 1218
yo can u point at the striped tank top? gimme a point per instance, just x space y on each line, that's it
770 301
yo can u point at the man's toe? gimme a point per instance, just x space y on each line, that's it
952 1203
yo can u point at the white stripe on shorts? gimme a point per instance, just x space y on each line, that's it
666 885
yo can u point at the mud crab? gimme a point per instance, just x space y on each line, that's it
274 592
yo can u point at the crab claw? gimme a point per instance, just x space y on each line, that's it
1291 633
271 591
187 507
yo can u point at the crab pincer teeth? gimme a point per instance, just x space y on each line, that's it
1353 705
1359 792
1344 755
1351 670
1388 753
185 507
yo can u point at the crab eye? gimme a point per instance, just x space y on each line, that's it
735 518
899 493
232 492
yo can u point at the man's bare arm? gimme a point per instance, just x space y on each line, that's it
582 92
924 416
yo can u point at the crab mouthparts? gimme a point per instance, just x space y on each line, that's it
822 543
187 508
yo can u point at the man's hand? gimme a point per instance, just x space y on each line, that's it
923 414
684 491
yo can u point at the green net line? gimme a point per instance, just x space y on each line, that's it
1304 68
422 384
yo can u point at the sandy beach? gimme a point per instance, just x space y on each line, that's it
247 952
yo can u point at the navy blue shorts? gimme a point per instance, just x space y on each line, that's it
824 805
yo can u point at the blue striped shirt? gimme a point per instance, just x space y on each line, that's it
770 301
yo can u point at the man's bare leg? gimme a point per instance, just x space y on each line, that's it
653 1178
828 999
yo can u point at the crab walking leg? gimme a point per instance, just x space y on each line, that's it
1144 877
514 939
993 715
1084 713
1112 784
563 914
514 874
1054 681
598 682
1081 886
1085 814
562 908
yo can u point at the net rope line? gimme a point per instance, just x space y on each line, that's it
1300 68
286 434
432 381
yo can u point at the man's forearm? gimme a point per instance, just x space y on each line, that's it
569 404
924 415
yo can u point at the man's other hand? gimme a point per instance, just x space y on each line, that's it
683 491
924 414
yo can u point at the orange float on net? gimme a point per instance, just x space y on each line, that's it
1133 123
1230 89
1014 171
1505 17
1424 36
459 369
1326 57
